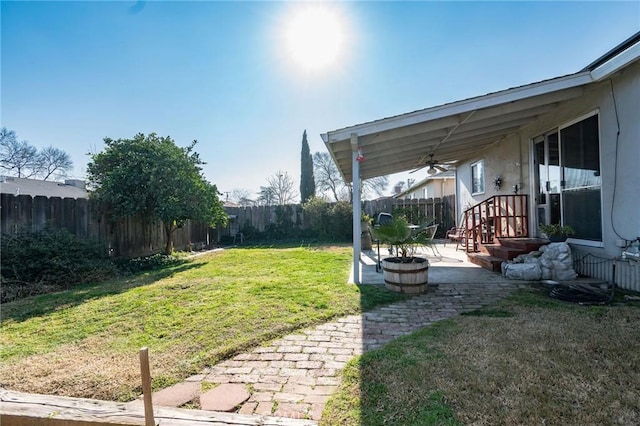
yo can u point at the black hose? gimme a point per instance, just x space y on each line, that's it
582 294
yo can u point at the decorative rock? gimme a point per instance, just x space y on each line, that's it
522 271
552 262
225 397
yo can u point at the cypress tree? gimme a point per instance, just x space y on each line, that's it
307 183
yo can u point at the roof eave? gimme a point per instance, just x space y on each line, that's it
460 107
616 63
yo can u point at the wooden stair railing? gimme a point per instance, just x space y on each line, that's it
500 216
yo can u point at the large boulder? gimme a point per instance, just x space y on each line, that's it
552 262
521 271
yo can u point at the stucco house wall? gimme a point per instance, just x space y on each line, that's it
503 160
617 101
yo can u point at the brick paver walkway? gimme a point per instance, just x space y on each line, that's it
295 375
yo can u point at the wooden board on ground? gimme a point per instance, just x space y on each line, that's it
22 409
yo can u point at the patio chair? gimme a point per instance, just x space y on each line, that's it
430 233
383 219
457 234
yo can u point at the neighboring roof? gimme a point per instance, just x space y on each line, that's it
21 186
456 131
449 174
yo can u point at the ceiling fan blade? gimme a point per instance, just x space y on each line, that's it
418 169
442 169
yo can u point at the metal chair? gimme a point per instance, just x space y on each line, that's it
383 219
457 234
430 233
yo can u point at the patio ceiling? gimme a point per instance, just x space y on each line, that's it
452 132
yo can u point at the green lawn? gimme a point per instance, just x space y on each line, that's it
84 342
527 360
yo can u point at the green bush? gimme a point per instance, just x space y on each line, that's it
330 221
50 260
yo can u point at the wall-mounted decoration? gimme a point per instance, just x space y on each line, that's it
497 182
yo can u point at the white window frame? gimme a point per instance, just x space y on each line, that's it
480 190
578 241
533 212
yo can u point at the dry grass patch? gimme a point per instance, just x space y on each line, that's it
84 342
548 363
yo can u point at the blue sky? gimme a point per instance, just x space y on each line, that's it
219 72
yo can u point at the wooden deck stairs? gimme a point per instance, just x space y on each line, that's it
497 229
492 255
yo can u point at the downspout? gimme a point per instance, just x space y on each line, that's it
356 207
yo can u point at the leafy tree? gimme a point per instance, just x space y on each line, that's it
23 159
151 176
280 190
307 183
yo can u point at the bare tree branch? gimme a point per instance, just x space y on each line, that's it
281 189
328 178
327 175
242 197
16 157
24 160
53 160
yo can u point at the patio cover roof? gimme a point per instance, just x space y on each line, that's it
456 131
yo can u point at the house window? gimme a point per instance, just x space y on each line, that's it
567 177
477 178
581 181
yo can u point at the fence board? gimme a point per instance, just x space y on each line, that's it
40 213
438 210
134 237
129 237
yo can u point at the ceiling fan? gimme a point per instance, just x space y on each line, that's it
432 164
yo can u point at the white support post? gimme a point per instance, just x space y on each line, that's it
356 203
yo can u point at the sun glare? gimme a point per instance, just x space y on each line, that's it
314 38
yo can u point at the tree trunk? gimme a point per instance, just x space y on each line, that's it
168 229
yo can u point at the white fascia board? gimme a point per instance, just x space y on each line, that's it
325 139
461 107
616 63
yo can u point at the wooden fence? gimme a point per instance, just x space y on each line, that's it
437 210
133 237
418 210
260 217
130 237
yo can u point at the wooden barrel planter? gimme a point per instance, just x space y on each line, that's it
409 278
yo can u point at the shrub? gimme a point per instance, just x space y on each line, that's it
330 221
50 260
249 231
342 221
